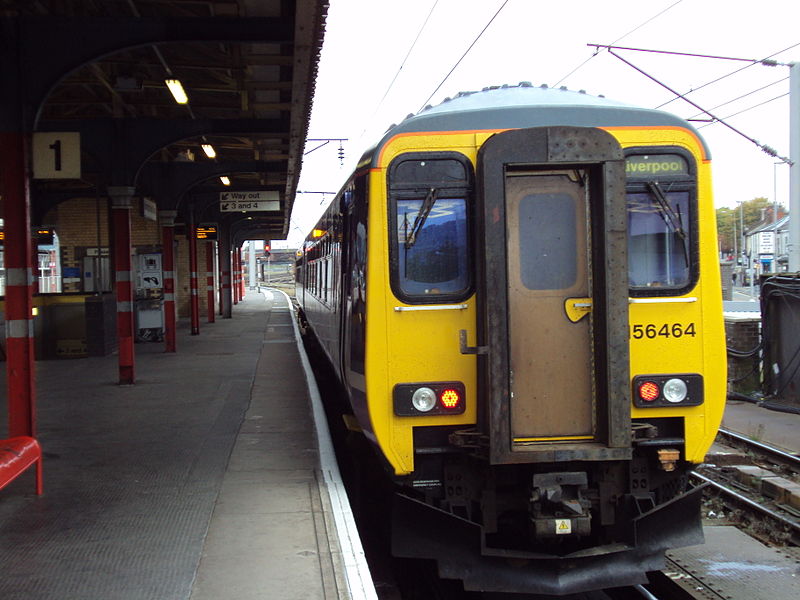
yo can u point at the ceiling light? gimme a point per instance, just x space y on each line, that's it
177 90
209 150
225 180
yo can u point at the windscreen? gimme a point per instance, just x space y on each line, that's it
660 197
430 227
433 257
658 244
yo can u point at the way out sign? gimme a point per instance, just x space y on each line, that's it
265 200
57 155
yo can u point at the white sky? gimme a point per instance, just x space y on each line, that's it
366 42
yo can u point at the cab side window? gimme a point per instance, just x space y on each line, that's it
430 224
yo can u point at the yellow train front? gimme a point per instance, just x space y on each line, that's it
520 293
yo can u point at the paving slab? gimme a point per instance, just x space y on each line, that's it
733 565
200 481
777 428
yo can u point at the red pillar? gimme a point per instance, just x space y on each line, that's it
239 273
210 280
121 219
167 218
225 299
236 288
191 233
224 279
242 278
20 382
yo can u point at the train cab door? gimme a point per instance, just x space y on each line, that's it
552 294
549 268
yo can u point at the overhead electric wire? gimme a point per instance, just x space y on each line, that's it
597 51
402 64
648 21
714 122
580 66
739 70
767 62
766 149
475 41
740 97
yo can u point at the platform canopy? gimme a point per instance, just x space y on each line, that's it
100 67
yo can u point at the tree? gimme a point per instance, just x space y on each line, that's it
750 213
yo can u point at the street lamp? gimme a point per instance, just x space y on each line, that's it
741 232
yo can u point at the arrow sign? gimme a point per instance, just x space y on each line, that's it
264 200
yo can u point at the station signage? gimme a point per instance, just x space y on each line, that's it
207 232
149 209
43 237
261 201
650 165
56 155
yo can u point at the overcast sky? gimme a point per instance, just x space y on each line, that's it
370 76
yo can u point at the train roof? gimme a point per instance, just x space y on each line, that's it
522 106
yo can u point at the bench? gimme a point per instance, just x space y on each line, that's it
16 455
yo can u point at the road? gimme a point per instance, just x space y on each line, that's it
743 294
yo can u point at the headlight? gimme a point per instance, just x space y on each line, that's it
423 399
675 390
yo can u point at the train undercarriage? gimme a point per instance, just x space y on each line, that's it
544 529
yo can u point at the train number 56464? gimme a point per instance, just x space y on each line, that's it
666 330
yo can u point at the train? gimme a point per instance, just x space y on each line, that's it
519 292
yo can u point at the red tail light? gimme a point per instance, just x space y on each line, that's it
649 391
450 398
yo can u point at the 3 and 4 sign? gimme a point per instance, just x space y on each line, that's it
264 200
57 155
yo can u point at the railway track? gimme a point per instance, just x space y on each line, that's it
760 494
771 453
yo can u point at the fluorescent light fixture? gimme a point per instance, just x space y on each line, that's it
209 150
177 90
225 180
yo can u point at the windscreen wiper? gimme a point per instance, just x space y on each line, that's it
422 216
674 221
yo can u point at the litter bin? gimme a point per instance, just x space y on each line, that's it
150 320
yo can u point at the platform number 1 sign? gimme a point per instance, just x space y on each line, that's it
57 155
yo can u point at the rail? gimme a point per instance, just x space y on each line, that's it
771 503
772 453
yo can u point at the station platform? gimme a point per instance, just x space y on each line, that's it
761 424
207 479
731 564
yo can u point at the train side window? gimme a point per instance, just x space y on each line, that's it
661 215
430 224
